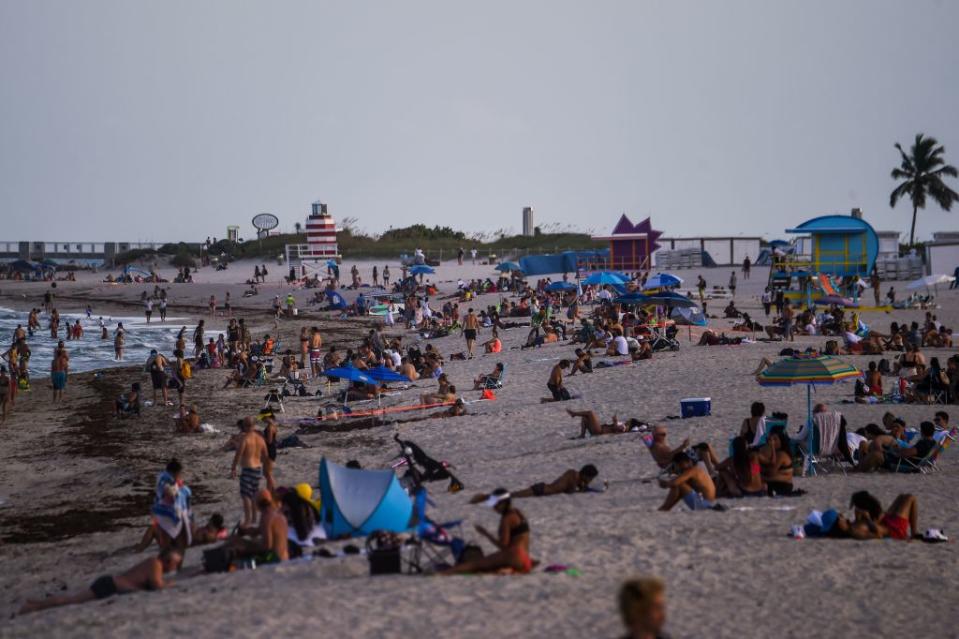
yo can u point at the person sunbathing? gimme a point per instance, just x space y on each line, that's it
490 379
740 475
589 423
493 345
889 452
146 575
692 485
512 541
900 522
776 462
268 541
660 449
571 481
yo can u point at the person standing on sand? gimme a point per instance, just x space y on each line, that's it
147 575
251 456
316 353
58 371
148 308
747 266
163 309
701 286
642 606
376 277
198 338
5 393
156 365
732 284
119 337
473 254
788 315
212 306
263 273
459 255
470 329
386 276
875 283
304 346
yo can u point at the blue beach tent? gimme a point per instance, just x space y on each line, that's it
358 502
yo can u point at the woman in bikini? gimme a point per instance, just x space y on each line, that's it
777 464
512 542
740 475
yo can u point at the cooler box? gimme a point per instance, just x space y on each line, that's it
695 406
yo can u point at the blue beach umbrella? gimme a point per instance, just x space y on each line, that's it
634 298
662 280
507 267
604 278
560 286
350 374
421 269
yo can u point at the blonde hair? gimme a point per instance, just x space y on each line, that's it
636 594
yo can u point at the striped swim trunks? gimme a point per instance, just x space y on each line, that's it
250 482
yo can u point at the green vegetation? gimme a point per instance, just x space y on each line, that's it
395 242
921 172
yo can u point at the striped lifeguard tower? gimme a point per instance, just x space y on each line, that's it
320 244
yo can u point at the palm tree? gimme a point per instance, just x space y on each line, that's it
922 171
298 227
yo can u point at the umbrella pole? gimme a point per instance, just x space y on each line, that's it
810 468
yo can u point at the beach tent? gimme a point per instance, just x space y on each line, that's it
336 300
692 316
358 502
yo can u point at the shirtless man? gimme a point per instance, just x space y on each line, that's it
58 371
269 540
555 383
589 423
408 369
118 340
470 328
660 450
583 363
316 355
146 575
692 485
251 455
571 481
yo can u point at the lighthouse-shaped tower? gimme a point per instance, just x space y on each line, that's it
320 235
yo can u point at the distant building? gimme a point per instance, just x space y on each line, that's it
528 226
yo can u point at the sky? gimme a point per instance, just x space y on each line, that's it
169 120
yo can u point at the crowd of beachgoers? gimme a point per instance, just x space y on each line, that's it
428 354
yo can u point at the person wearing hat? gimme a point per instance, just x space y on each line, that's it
303 514
512 540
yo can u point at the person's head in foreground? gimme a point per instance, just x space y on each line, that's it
642 604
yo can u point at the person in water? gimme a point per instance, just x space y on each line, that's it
512 541
571 481
147 575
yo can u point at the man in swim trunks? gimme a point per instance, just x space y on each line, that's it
589 423
251 455
146 575
156 365
470 329
693 486
58 371
571 481
316 354
555 383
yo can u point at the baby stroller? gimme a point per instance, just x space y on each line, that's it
420 467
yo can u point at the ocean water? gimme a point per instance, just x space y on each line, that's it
90 352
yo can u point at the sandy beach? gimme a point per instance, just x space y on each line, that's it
76 486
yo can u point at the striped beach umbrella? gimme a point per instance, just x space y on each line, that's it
808 370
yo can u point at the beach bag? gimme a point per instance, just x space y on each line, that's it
218 559
186 371
383 552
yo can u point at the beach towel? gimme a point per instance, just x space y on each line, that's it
828 425
171 506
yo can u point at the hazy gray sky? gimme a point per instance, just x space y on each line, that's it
170 120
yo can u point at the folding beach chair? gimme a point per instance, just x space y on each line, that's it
929 463
493 384
661 338
828 444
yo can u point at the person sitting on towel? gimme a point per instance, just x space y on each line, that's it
512 542
692 485
571 481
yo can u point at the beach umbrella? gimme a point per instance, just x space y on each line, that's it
604 278
383 374
420 269
560 286
662 280
930 280
350 374
672 300
808 370
633 298
691 316
507 267
22 266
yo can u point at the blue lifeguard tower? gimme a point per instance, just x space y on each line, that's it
842 245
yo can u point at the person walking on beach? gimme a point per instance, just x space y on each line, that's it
473 253
767 300
875 283
119 337
198 338
386 276
163 309
701 287
732 283
747 266
156 366
470 328
376 276
58 371
251 456
315 352
459 255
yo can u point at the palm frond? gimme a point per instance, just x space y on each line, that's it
899 192
942 194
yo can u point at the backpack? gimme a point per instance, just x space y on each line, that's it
186 371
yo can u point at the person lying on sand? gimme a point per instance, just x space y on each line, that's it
210 532
692 485
589 423
146 575
571 481
901 521
512 541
